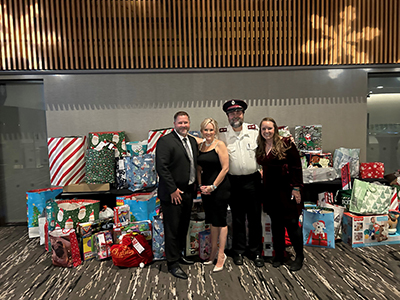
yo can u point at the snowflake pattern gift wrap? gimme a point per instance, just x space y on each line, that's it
308 137
35 204
372 170
116 139
140 172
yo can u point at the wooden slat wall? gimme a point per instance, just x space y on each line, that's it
154 34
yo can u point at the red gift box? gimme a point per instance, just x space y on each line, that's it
372 170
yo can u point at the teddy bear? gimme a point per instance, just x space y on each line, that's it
393 220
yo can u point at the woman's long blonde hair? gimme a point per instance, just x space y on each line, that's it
278 146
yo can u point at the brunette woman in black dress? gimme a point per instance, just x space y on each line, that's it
213 165
283 180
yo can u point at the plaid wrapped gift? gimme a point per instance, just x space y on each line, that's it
308 137
154 136
98 140
100 166
372 170
66 159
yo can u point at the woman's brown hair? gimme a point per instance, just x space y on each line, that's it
278 146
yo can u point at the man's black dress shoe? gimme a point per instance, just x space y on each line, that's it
238 259
259 261
178 273
277 262
184 261
297 264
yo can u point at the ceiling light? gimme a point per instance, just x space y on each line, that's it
379 87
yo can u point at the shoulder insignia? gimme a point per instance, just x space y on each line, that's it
223 129
251 126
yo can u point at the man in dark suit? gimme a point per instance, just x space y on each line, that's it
176 160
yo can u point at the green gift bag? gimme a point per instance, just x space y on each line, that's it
72 212
100 166
370 198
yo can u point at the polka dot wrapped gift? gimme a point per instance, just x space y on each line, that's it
372 170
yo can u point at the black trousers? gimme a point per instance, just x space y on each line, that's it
245 202
278 225
176 224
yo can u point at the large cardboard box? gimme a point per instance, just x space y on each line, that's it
86 188
364 231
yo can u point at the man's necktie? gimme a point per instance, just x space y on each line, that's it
192 175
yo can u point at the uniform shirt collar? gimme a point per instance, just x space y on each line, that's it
244 131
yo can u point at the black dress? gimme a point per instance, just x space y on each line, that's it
215 204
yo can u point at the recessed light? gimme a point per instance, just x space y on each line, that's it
379 87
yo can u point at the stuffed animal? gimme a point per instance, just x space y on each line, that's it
382 233
393 220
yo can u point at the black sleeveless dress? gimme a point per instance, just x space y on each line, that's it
215 204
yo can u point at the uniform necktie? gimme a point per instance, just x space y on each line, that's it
192 168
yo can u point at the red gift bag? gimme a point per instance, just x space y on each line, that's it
133 250
65 248
372 170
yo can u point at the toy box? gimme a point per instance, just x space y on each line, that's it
205 244
266 235
364 231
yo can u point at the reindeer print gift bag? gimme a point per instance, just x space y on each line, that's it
318 228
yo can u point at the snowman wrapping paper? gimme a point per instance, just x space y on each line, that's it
99 140
73 212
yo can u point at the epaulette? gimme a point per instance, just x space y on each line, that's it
252 126
223 129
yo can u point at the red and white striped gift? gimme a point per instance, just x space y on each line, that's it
154 136
67 159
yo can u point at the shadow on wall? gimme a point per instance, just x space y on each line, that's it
208 104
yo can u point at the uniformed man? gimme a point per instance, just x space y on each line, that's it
241 141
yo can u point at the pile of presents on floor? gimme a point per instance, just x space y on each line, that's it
131 233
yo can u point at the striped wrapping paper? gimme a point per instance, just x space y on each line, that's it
67 159
154 136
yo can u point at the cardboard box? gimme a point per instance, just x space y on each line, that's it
364 231
86 188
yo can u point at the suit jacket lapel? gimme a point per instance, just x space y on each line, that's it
180 143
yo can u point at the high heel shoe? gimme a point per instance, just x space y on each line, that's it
217 269
208 262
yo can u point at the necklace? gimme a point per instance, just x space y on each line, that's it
209 144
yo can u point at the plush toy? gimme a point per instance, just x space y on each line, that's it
382 233
393 219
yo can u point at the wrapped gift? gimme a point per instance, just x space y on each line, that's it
143 206
36 203
284 131
102 243
343 156
205 244
136 148
65 248
318 228
154 136
140 172
372 170
308 137
318 174
120 173
98 140
142 227
319 160
192 238
72 212
158 244
66 159
100 166
121 215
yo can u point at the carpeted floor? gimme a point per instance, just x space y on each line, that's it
26 272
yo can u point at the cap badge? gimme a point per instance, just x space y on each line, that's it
233 102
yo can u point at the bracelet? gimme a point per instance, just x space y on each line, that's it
214 187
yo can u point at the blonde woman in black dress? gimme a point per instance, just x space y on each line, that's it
213 165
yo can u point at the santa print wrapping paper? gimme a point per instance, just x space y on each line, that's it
70 213
308 137
100 166
372 170
66 159
98 140
154 136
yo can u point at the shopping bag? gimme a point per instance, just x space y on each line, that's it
100 166
318 228
36 203
66 159
370 198
140 172
133 251
113 139
341 156
154 136
338 212
308 137
343 198
158 244
192 237
136 148
143 206
65 248
72 212
372 170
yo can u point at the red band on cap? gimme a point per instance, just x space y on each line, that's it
234 106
